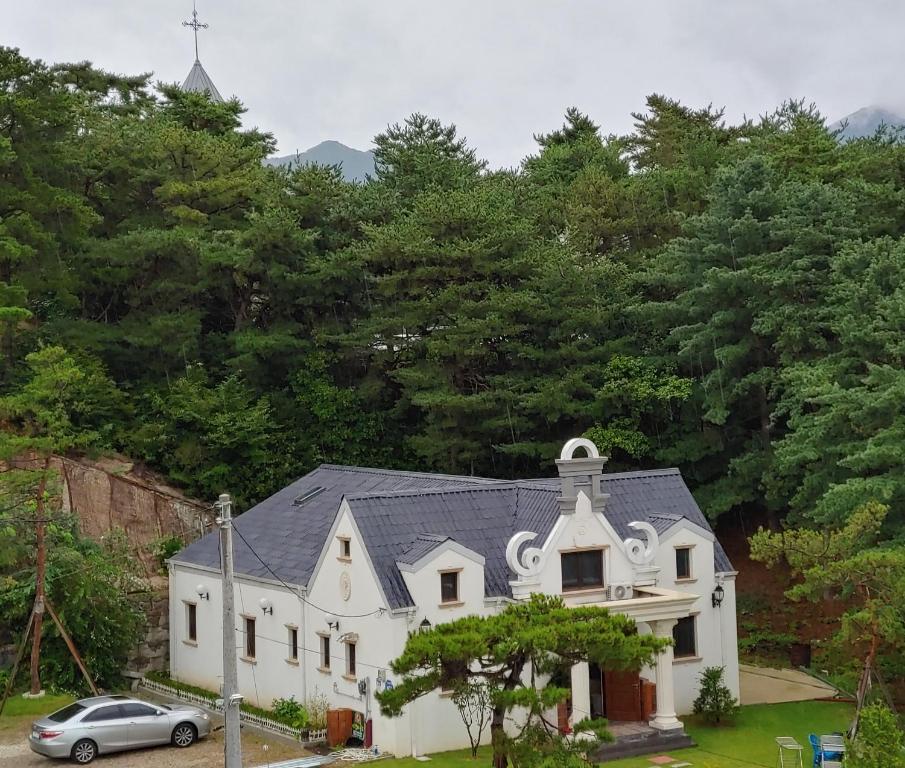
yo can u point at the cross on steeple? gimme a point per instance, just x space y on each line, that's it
195 25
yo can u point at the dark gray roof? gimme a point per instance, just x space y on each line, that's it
403 516
289 537
199 81
484 518
423 544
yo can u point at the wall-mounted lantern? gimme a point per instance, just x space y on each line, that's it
266 606
203 592
717 596
333 623
425 625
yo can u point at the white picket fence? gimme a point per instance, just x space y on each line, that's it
307 736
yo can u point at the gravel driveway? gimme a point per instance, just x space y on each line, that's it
257 750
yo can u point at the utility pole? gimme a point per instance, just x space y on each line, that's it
231 697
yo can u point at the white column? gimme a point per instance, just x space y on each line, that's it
665 718
581 693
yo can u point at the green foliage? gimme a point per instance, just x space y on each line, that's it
211 437
164 548
764 641
714 701
879 743
723 298
89 585
855 564
541 747
291 712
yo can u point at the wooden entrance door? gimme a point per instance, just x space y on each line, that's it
622 692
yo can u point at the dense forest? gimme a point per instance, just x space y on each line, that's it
723 298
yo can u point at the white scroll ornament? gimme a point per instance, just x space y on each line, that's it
640 552
530 564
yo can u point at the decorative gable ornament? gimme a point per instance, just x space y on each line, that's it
528 566
581 474
641 554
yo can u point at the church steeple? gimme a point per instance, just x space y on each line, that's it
198 80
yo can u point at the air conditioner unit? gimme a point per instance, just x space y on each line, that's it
621 591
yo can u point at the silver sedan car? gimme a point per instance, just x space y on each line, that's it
91 727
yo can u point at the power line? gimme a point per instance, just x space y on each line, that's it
315 651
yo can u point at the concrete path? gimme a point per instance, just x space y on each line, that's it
764 685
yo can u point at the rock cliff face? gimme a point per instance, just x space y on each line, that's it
112 494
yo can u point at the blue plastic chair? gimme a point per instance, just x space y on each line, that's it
815 745
819 754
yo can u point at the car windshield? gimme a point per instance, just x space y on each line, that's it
66 713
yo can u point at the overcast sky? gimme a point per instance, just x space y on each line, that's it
501 70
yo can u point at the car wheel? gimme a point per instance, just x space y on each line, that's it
184 735
84 751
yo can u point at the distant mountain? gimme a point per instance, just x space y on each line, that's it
865 122
355 163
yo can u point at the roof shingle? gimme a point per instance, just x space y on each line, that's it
403 516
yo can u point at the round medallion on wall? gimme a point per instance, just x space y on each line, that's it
345 585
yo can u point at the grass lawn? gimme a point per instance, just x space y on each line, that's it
748 743
19 713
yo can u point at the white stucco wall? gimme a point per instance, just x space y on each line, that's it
271 675
715 627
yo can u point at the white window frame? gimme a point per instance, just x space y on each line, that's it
691 575
190 606
290 629
457 600
246 656
324 652
351 660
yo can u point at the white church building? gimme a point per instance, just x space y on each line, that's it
335 571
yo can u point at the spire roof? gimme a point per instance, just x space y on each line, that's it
198 81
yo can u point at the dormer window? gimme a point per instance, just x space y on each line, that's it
449 587
582 569
345 547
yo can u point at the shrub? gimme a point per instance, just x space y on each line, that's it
764 640
715 701
879 743
165 548
291 711
317 706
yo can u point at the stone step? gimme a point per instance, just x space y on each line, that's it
642 744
